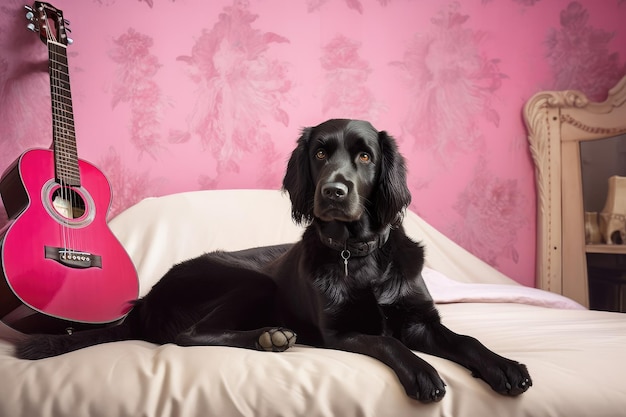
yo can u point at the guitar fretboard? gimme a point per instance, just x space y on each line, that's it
63 133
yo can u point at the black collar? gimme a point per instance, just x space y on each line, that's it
357 248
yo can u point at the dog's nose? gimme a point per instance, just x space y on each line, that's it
335 190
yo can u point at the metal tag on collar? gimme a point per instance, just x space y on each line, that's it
345 255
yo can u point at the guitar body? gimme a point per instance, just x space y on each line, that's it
61 266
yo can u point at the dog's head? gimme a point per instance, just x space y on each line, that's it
344 168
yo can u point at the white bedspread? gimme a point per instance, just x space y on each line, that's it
445 290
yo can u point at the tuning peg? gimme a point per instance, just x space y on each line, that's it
30 16
70 41
29 13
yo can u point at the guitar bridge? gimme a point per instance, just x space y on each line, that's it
73 258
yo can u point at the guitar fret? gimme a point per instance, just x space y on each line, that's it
65 114
66 151
66 123
64 137
65 120
61 90
67 156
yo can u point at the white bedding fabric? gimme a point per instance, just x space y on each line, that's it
446 290
575 356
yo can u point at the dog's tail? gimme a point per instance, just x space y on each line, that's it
39 346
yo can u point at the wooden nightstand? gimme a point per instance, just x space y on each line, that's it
607 279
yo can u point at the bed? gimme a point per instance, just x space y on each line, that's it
575 356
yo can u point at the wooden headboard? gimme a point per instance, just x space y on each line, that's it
557 122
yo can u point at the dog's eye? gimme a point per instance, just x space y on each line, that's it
320 154
364 157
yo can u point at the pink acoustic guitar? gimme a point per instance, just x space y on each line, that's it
62 268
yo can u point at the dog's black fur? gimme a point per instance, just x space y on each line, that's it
353 282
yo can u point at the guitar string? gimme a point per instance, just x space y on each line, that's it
72 196
56 145
63 152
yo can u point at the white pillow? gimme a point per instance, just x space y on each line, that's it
159 232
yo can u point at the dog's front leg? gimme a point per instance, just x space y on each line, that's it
419 379
505 376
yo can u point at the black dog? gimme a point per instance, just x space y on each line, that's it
353 282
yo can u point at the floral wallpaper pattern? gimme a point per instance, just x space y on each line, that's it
180 95
133 83
580 54
451 82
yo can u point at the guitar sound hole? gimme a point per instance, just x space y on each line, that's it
68 203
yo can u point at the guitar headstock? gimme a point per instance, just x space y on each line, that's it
49 22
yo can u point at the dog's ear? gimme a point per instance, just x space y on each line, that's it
298 182
393 195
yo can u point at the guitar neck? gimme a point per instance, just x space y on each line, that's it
63 133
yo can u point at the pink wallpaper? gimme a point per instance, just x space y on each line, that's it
179 95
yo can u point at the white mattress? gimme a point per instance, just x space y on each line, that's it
575 356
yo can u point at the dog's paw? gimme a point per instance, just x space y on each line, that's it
276 339
422 382
506 377
430 388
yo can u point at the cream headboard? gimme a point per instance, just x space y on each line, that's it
557 121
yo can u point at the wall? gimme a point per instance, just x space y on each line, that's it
178 95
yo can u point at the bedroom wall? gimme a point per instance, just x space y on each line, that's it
180 95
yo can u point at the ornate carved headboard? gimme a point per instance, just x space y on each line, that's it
557 121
